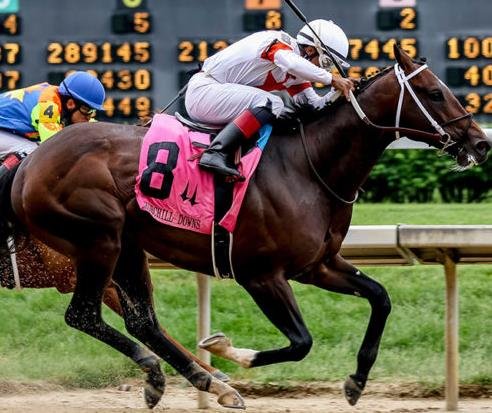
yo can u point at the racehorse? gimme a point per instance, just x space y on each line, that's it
41 267
291 226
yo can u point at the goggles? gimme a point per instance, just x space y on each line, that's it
87 111
325 61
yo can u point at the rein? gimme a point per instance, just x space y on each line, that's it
317 175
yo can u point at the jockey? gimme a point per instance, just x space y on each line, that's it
31 115
234 85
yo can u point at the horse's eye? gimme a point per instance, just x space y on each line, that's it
436 95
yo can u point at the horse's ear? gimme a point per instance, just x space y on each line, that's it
402 58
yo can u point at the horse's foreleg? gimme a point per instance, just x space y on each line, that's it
275 298
339 276
134 290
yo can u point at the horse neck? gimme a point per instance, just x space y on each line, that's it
347 149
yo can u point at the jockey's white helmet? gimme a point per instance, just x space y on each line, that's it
332 36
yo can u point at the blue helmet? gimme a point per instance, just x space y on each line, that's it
85 88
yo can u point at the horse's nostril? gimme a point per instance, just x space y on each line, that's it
483 147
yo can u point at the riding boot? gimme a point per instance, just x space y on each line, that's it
219 156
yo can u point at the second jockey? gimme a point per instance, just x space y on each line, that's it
33 114
234 85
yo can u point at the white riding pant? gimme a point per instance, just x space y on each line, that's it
219 103
10 142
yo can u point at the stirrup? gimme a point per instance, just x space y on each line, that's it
229 174
234 178
219 169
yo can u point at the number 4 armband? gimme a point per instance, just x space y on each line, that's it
49 112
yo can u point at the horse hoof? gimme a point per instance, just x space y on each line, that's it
152 395
231 400
224 378
217 343
352 390
155 385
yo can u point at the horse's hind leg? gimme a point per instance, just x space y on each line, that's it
65 282
339 276
112 300
132 280
55 270
155 382
94 270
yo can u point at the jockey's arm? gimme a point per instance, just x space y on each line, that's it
310 97
49 119
294 64
305 70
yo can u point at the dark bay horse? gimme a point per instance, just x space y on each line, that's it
291 225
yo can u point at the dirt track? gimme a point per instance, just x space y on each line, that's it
180 398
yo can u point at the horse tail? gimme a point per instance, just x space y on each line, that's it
8 168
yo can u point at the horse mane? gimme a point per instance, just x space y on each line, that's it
307 114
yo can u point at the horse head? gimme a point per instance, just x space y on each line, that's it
406 99
426 104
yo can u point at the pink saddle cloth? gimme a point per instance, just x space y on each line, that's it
173 189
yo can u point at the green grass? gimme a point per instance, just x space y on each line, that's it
35 343
423 214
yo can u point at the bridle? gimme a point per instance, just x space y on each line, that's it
445 139
403 80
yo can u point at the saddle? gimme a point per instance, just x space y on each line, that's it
212 130
197 126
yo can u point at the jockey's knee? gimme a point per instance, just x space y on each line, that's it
278 105
273 103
